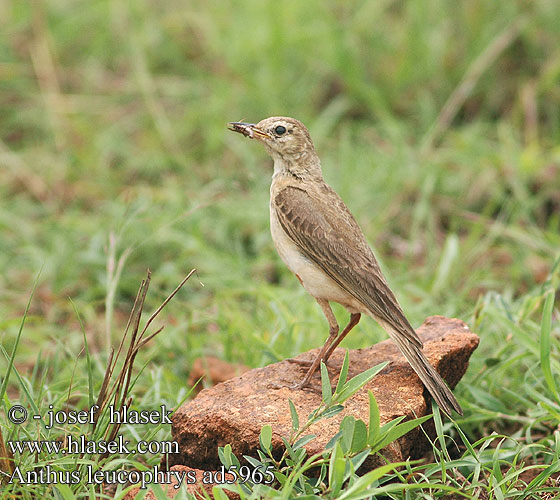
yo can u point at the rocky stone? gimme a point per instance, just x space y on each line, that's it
234 411
213 370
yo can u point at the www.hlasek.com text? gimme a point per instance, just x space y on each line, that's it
80 446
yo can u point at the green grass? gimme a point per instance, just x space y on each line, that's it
437 122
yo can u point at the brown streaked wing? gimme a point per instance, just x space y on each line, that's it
319 222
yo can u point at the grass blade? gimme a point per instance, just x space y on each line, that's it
546 327
16 343
356 383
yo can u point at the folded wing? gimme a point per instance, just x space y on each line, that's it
327 233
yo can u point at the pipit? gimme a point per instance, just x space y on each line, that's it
321 243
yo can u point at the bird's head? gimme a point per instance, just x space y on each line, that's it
285 139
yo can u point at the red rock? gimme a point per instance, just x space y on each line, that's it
213 370
234 411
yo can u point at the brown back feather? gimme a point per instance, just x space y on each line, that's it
320 224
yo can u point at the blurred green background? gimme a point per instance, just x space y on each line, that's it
437 122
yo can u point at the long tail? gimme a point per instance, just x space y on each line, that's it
431 379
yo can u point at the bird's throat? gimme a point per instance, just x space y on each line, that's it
304 167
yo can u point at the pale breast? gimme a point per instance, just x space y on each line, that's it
313 278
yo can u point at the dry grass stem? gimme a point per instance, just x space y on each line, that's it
116 390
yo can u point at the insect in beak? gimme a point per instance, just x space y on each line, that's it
249 130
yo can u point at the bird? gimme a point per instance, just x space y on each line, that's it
319 240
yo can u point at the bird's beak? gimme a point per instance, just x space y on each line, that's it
248 130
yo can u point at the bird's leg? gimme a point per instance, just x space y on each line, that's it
333 332
354 319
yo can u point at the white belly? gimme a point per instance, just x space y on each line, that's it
313 278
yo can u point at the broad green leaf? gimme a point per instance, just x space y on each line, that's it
359 439
280 477
289 449
266 437
227 457
325 384
337 465
331 412
343 373
253 461
374 421
347 430
295 418
222 456
303 441
333 440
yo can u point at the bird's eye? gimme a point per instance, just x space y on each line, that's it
280 130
